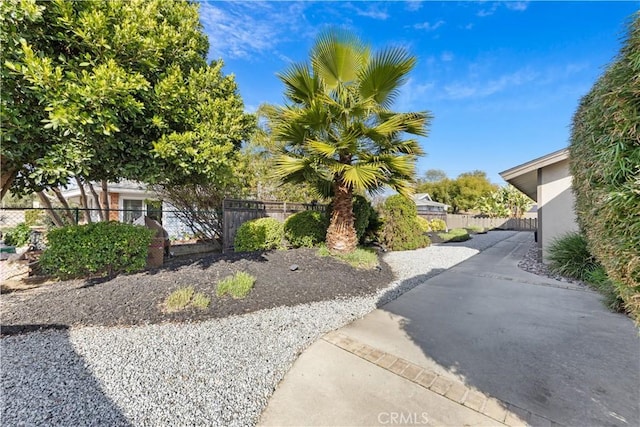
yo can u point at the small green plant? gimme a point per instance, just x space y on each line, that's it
238 286
424 224
305 229
455 235
98 249
569 256
200 301
18 236
362 258
437 224
179 299
183 297
259 235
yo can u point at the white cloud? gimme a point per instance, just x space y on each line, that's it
414 5
480 89
429 26
488 11
520 6
446 56
373 11
469 26
243 29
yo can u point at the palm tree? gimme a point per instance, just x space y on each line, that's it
337 130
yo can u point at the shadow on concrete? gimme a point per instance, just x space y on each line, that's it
555 352
46 382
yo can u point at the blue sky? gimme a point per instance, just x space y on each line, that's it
502 79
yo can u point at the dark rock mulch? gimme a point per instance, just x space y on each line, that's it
137 299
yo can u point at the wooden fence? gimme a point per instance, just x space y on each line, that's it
237 212
519 224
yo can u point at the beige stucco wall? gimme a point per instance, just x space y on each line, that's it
556 215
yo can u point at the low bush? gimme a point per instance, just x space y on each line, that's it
305 229
363 258
400 228
18 236
98 249
437 224
455 235
238 286
424 224
259 235
600 281
569 256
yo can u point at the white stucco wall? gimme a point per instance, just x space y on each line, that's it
556 215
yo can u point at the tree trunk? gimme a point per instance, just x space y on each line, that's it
96 200
65 205
84 204
6 178
341 234
52 213
105 199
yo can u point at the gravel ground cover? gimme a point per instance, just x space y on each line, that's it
219 371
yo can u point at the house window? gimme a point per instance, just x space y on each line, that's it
132 210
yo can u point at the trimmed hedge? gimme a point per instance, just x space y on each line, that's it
401 230
604 159
424 224
438 225
260 234
98 249
305 229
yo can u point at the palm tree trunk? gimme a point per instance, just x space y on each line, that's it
341 234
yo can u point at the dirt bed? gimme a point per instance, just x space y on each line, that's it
137 299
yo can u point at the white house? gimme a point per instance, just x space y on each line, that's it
547 180
129 200
426 205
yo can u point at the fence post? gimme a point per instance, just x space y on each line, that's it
77 213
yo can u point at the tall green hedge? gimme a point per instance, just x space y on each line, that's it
98 249
400 228
305 229
260 234
605 164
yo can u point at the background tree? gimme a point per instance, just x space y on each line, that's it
507 201
104 91
338 131
462 194
434 175
604 157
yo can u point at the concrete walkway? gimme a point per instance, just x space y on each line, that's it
483 343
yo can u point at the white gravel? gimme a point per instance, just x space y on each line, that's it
216 372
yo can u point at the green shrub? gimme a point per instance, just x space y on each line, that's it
424 224
98 249
604 155
34 217
238 286
437 224
401 230
363 258
569 256
455 235
305 229
18 236
259 235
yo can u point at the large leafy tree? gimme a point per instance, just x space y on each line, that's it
110 90
338 130
462 194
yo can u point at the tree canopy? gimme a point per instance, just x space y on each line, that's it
338 130
111 90
462 193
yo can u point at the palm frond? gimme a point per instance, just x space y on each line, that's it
322 148
385 73
337 57
301 85
361 176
